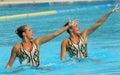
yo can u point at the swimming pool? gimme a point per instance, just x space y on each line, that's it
103 44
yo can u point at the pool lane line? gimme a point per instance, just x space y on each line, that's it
27 15
52 12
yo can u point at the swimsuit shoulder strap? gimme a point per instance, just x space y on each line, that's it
21 47
69 41
34 46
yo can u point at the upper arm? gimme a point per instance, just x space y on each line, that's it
12 57
63 49
52 35
46 38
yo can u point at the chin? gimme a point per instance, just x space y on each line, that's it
31 38
78 32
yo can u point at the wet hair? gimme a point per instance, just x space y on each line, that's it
20 30
67 29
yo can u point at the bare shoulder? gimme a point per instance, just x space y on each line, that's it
84 35
16 47
65 41
37 40
84 32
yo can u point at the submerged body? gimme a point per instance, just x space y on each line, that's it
28 50
76 45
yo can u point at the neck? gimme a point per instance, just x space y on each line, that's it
27 45
72 35
25 40
75 38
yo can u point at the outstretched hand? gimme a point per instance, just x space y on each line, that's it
72 23
115 8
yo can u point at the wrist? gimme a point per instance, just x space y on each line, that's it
110 12
68 26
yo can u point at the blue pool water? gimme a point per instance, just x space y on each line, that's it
103 44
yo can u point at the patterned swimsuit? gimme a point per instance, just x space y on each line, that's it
77 50
30 58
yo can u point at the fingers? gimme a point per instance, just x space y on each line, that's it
72 23
69 20
116 5
75 21
115 8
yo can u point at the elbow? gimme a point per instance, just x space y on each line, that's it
54 35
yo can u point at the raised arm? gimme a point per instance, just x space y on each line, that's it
100 21
53 35
56 33
12 58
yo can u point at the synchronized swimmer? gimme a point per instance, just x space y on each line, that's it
28 50
76 44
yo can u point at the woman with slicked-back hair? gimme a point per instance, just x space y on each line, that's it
76 44
28 50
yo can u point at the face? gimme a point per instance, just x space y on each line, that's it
28 33
75 29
